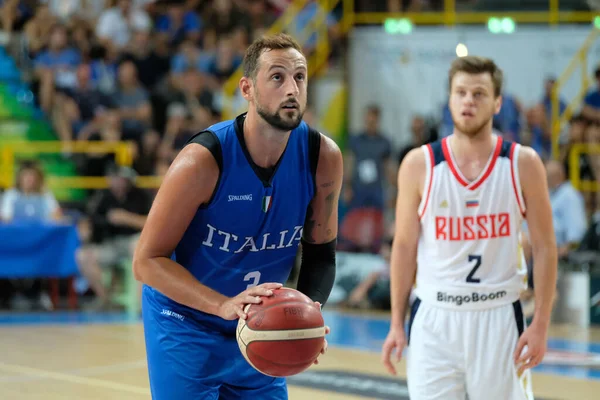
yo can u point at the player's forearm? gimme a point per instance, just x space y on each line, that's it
177 283
402 276
544 271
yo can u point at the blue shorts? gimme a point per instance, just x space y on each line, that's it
187 360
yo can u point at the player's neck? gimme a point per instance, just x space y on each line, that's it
264 143
478 146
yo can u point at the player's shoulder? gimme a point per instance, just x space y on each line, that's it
195 156
326 156
329 149
529 160
530 164
415 159
528 155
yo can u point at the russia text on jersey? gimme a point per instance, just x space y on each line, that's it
472 227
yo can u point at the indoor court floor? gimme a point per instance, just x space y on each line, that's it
60 356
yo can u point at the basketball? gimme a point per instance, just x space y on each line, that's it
283 335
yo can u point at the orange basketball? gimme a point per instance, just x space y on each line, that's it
283 335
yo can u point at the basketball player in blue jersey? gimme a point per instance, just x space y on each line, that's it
460 208
224 230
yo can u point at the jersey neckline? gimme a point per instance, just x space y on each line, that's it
485 172
265 175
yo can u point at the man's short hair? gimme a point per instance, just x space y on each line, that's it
280 41
477 65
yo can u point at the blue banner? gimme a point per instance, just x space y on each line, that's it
38 250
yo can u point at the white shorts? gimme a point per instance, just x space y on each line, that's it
454 355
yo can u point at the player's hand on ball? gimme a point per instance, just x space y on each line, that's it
327 330
233 307
535 339
396 339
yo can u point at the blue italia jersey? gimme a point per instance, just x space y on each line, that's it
250 230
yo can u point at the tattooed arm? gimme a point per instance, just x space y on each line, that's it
322 214
317 272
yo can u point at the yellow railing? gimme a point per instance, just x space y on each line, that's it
580 59
317 26
451 16
574 170
122 151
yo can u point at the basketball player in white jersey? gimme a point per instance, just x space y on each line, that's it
458 216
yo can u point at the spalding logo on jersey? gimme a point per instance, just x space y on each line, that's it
472 227
228 241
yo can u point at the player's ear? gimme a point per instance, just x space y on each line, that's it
498 104
245 86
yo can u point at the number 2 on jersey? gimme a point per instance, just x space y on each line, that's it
477 260
253 276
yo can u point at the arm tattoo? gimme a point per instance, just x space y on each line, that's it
327 184
309 225
329 202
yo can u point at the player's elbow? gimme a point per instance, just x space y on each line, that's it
140 267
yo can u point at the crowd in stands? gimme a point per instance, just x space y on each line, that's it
369 194
151 72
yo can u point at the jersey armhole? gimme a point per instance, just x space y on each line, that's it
209 140
429 160
514 173
314 149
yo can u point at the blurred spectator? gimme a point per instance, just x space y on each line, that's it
133 102
540 133
104 67
190 56
579 130
55 67
115 25
549 84
225 17
106 128
196 98
37 29
591 239
117 216
79 106
419 136
374 290
539 121
225 61
368 164
591 102
447 123
260 17
593 138
568 209
178 24
151 63
508 120
14 14
29 200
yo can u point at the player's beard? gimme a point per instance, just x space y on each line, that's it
276 121
474 129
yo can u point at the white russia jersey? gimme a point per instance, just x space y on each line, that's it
469 254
